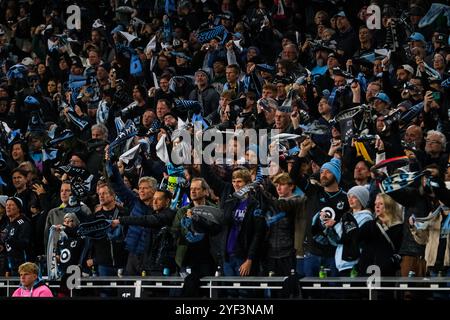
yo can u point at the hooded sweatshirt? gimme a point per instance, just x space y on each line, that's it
39 290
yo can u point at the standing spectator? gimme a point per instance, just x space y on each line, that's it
381 238
241 238
327 197
193 253
136 238
434 234
108 253
345 233
28 197
156 223
204 93
286 229
56 215
233 83
18 235
70 246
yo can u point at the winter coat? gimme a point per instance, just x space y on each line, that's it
17 242
135 239
154 222
429 236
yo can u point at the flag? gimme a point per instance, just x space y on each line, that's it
197 117
65 135
161 149
129 155
130 38
433 13
49 154
151 45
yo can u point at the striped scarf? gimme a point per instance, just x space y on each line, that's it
206 35
398 181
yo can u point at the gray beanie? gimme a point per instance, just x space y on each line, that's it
362 193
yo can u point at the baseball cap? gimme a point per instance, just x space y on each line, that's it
416 36
340 14
383 97
27 61
76 61
407 67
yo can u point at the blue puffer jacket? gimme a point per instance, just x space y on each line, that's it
135 239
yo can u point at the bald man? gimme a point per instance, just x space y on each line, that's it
414 134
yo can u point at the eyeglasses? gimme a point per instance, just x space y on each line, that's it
432 141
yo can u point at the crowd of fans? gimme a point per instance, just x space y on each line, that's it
92 113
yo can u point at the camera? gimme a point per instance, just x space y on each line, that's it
392 117
408 145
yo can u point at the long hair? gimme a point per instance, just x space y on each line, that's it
392 209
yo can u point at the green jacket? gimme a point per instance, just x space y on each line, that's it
179 233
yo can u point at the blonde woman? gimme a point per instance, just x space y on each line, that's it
381 238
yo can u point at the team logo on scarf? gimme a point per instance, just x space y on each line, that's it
207 35
399 181
97 229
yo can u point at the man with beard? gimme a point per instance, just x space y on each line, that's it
327 197
321 57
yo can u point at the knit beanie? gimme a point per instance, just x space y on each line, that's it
361 193
334 166
18 202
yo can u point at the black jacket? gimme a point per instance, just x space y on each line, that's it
108 252
281 234
208 98
376 250
155 221
318 200
17 242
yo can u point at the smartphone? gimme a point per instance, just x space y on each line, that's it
436 95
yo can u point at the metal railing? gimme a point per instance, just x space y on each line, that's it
135 287
385 284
